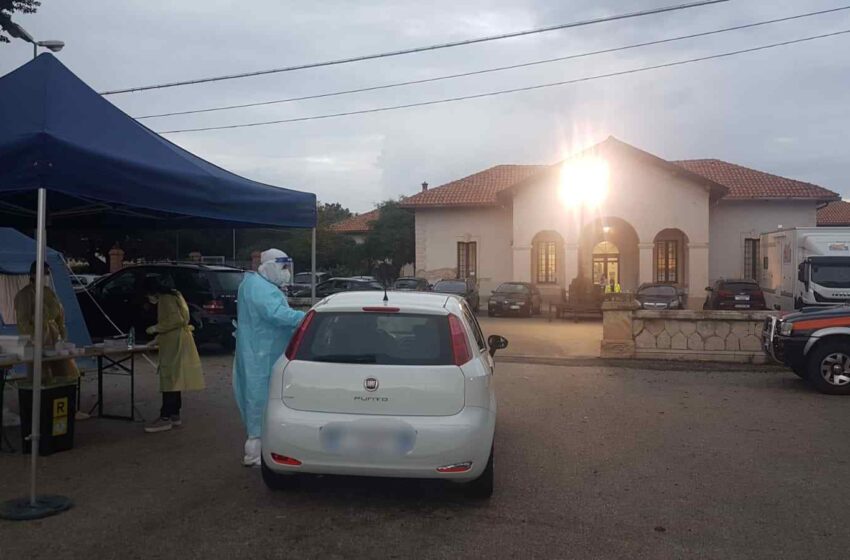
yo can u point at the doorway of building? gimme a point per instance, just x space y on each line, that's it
606 262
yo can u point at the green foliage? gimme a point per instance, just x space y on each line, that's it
392 239
8 7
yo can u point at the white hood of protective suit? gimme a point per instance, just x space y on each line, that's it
271 267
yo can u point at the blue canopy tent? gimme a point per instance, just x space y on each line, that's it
17 252
71 159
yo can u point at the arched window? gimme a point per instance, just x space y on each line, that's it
547 251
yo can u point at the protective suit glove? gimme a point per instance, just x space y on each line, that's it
152 330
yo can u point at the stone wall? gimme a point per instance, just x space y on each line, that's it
724 336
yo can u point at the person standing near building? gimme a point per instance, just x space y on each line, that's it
613 287
179 364
264 325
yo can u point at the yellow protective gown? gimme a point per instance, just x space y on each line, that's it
179 363
54 329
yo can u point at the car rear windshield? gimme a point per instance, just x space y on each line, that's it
512 289
450 287
302 278
738 287
228 281
406 284
377 338
656 291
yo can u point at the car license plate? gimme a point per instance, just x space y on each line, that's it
515 307
742 298
371 441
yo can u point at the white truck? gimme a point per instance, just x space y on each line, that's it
805 267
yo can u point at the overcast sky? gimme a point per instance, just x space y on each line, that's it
784 110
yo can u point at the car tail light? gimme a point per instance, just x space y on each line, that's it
725 294
298 336
460 344
381 309
284 460
215 306
456 468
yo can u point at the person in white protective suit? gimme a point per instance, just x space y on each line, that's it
264 325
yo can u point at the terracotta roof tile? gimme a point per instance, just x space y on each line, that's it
360 223
834 214
745 183
478 189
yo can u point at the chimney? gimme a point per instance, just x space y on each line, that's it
424 186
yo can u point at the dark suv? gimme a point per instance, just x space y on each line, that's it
815 344
460 287
210 291
735 294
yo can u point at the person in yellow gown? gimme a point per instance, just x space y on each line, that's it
179 364
54 326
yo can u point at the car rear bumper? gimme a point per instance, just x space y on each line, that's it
509 307
438 441
215 328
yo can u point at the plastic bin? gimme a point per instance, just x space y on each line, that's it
58 408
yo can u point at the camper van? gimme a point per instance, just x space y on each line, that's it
806 267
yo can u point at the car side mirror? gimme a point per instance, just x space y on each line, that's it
496 342
709 289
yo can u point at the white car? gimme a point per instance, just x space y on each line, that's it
395 387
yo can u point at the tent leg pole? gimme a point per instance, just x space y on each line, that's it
34 506
38 340
313 270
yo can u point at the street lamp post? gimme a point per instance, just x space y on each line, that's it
15 30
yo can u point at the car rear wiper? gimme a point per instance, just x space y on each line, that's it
347 358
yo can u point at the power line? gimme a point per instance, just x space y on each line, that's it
494 69
422 49
514 90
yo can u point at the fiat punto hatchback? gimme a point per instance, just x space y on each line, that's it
384 385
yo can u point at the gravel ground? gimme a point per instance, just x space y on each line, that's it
591 462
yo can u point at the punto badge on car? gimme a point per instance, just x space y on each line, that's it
370 384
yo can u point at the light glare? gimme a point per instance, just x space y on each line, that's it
584 182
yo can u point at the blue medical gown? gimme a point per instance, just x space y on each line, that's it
265 323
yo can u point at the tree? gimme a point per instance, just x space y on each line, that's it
392 238
8 7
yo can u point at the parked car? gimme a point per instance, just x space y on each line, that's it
410 284
514 298
659 296
209 290
337 285
401 388
735 294
81 280
303 280
815 344
460 287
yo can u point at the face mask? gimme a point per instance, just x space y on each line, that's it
287 276
272 272
153 300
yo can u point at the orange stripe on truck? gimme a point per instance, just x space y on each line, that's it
814 324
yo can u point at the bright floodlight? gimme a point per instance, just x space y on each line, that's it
584 181
54 46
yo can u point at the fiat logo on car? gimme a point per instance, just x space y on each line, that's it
371 384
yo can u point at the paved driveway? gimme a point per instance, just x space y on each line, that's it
538 338
591 463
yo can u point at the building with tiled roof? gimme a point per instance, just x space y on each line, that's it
611 211
357 226
836 213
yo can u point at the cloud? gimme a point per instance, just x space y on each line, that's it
783 110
